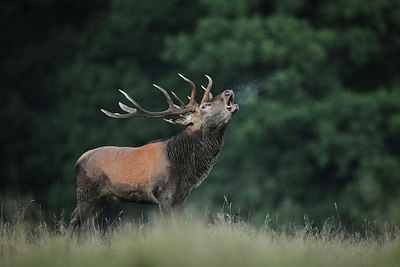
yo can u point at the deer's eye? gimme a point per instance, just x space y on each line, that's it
204 106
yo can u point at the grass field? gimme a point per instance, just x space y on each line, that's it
195 242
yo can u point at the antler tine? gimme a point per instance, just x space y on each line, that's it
167 96
131 99
126 108
179 100
131 111
210 96
116 115
206 93
193 94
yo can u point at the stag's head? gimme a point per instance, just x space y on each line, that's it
211 112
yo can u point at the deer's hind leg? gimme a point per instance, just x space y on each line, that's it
85 212
91 201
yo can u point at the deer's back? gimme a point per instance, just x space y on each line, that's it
126 165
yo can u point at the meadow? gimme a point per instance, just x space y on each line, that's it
226 240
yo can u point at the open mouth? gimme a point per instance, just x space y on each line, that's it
230 102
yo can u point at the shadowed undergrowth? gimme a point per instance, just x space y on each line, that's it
227 241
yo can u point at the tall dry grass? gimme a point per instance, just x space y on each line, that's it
194 241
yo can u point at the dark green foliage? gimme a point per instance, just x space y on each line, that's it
317 82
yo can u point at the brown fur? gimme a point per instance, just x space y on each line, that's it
128 165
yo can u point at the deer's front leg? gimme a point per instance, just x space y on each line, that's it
165 203
165 209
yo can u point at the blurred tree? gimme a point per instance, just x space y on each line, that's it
320 92
38 40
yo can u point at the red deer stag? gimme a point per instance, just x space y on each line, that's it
161 172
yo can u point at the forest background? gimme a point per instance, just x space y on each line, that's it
317 82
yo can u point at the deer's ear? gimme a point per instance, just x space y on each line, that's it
181 121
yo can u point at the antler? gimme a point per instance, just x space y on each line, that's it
193 94
207 95
173 109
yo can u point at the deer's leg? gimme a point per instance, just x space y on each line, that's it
165 209
81 214
89 207
99 207
90 211
75 219
90 198
165 204
86 212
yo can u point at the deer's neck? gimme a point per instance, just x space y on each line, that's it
193 153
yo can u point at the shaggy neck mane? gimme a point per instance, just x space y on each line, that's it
193 153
